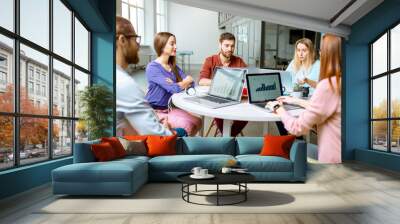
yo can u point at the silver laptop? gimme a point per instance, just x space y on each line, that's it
225 90
286 78
266 87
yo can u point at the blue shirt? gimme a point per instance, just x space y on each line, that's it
311 73
159 90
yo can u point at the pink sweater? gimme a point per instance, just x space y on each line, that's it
324 111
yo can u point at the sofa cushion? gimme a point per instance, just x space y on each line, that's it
83 152
116 145
200 145
134 147
185 163
103 152
161 145
257 163
249 145
277 145
112 171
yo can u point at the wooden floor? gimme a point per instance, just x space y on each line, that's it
378 189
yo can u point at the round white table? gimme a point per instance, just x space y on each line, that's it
243 111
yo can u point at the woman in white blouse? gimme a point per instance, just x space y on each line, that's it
304 68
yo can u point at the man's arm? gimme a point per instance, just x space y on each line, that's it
206 72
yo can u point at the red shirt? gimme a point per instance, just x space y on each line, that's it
214 61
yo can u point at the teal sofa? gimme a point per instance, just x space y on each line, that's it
125 176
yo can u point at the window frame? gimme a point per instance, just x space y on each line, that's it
137 8
388 74
16 115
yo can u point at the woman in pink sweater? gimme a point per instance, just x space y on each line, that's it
324 107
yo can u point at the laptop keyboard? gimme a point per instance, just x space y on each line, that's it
215 99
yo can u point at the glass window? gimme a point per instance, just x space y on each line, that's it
81 81
395 138
81 131
6 73
40 62
33 140
379 56
81 45
134 12
161 15
6 142
395 47
385 128
30 87
7 14
395 95
63 72
62 29
379 135
62 138
35 21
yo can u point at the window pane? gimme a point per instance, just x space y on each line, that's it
379 55
62 141
32 61
133 18
140 3
158 7
125 11
141 23
379 98
81 45
81 81
35 21
395 47
395 138
62 29
6 142
33 139
81 131
379 135
6 75
62 89
395 95
7 14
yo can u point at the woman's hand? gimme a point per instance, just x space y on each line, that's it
274 106
288 100
186 82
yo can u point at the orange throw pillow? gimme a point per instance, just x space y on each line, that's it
136 137
277 145
161 145
116 145
103 152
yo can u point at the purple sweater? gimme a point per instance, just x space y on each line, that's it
159 90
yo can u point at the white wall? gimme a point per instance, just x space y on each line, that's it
195 29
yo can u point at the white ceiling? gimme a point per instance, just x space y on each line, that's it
317 15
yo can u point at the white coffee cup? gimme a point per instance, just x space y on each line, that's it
226 170
203 172
196 170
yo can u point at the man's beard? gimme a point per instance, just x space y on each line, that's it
132 58
228 56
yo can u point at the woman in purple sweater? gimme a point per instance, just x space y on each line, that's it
166 78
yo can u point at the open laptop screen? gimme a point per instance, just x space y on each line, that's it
263 87
227 83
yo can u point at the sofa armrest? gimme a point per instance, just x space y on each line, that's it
83 152
298 155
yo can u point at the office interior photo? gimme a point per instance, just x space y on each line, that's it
212 111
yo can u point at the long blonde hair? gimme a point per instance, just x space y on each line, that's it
331 56
160 40
310 57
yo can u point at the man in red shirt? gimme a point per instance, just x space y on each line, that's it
224 58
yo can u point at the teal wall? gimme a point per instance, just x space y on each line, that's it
99 16
356 84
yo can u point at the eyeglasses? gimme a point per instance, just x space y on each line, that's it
138 38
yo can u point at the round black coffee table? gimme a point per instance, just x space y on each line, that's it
238 179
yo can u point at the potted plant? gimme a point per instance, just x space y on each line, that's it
96 102
297 90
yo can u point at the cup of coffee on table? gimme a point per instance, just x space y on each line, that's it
196 171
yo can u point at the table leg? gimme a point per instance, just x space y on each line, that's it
217 194
201 131
227 128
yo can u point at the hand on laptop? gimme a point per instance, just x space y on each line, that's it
287 99
273 106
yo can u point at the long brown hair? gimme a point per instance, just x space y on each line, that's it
310 57
160 40
331 56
